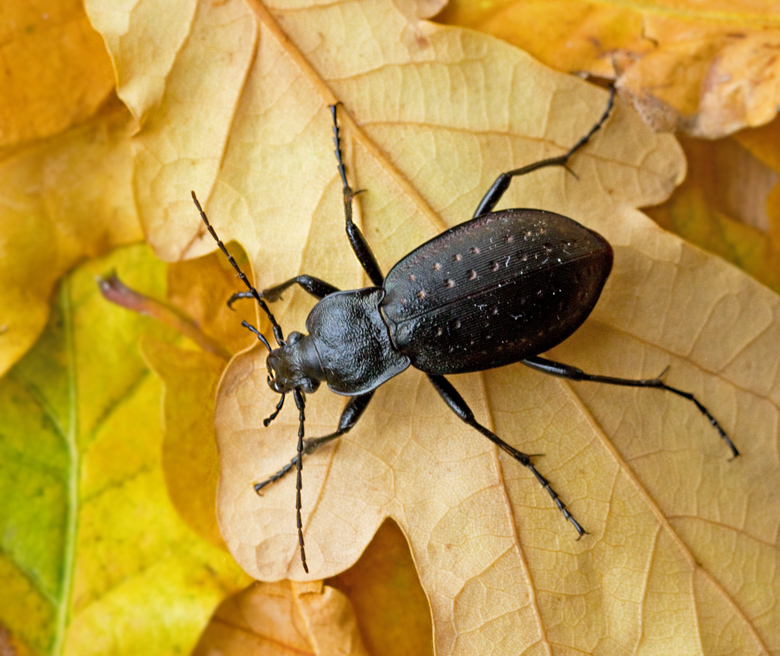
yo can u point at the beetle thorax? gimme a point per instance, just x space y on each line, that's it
294 365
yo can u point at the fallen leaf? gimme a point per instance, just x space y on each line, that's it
722 207
55 72
389 603
707 70
94 556
375 607
273 619
55 212
430 115
200 288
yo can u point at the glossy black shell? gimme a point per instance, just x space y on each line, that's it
498 289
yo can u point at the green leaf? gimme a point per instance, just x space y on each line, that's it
93 555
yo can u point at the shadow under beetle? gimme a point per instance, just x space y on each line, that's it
498 289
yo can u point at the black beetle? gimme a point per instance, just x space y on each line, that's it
498 289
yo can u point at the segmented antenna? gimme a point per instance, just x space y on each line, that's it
278 335
301 404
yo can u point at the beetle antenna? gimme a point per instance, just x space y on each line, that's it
255 294
259 335
274 414
301 404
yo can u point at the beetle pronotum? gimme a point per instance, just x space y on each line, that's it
498 289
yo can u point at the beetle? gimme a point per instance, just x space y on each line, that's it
498 289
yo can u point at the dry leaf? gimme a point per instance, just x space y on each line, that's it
706 69
722 207
55 212
274 619
199 288
55 70
378 602
391 608
430 116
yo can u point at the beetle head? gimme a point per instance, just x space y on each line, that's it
294 365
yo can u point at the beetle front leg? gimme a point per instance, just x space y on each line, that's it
494 194
349 417
459 406
573 373
358 242
314 286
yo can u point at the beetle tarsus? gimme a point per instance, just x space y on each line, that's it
349 417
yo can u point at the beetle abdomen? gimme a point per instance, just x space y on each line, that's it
495 290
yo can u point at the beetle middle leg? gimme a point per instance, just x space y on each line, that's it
573 373
349 417
459 406
358 242
494 194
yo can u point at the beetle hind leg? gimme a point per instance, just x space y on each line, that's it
459 406
573 373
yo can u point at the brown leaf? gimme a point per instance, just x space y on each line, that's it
389 602
707 70
271 619
430 116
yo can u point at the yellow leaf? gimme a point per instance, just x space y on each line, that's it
94 558
55 71
706 69
682 551
722 206
190 460
55 212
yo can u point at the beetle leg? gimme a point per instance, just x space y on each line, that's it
349 417
358 242
458 405
314 286
501 184
573 373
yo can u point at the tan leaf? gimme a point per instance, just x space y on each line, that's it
678 534
377 603
706 69
273 619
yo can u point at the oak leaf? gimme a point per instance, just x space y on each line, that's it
430 116
708 70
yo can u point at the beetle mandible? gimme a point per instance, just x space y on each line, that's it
498 289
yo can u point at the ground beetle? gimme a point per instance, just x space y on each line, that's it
498 289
